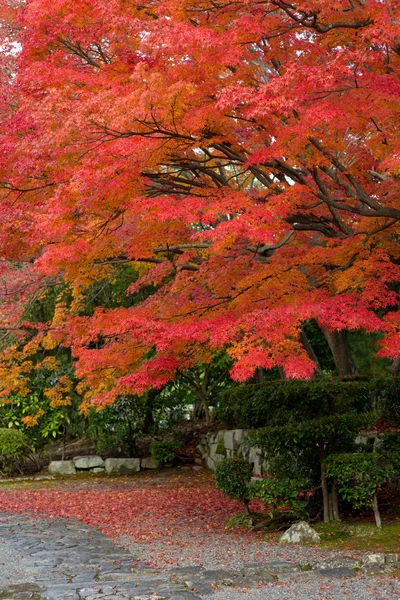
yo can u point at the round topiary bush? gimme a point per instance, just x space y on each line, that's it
232 477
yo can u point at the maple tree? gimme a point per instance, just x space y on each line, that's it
243 156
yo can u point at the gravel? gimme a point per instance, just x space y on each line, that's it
232 552
317 588
226 551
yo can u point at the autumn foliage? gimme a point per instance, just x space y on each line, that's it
242 156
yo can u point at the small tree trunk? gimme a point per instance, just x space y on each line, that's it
64 436
377 514
309 349
341 353
335 516
260 375
324 483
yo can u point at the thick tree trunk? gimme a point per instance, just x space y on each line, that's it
198 410
341 353
395 367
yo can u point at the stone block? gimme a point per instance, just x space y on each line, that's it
85 463
98 469
229 440
219 436
210 463
374 559
62 467
392 558
202 448
122 465
149 463
240 436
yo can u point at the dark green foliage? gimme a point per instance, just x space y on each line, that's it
309 432
232 477
164 452
363 345
112 292
387 393
320 346
281 494
117 429
252 406
13 445
55 421
359 475
389 448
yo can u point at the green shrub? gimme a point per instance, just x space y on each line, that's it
308 432
250 406
281 495
164 452
232 477
13 445
390 449
359 475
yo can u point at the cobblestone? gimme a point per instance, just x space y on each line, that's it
63 559
57 559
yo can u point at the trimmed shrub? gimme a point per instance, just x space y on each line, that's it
281 495
250 406
232 477
164 452
13 445
359 475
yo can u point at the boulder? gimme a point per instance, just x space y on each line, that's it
149 463
62 467
85 463
122 465
300 533
98 470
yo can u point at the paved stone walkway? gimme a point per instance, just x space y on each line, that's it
63 559
57 559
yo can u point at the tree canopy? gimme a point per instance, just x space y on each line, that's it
240 156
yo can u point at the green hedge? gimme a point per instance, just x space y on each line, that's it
250 406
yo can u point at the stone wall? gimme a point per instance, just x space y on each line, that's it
216 446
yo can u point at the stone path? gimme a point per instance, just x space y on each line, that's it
60 559
54 559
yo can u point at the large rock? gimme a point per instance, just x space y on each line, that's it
122 465
300 533
85 463
149 463
62 467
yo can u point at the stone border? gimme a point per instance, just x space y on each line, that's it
95 464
